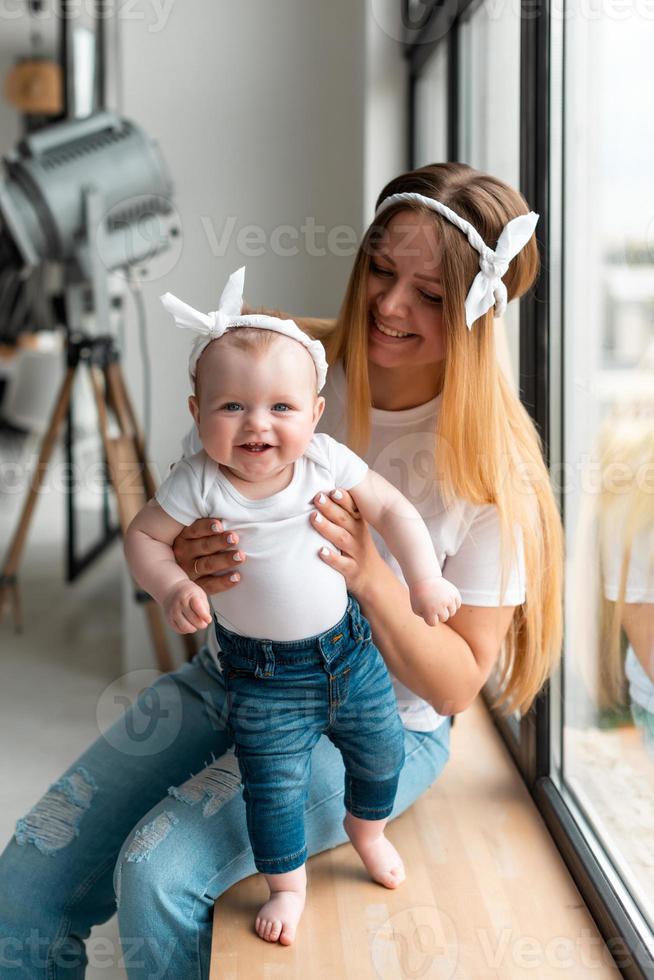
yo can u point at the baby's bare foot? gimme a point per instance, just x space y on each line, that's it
382 861
279 916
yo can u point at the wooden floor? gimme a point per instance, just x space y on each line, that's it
487 895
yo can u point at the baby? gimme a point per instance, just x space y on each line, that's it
295 650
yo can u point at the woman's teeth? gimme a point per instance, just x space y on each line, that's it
387 330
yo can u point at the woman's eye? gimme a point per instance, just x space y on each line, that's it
429 298
377 270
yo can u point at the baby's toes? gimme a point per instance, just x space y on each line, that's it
264 927
393 878
288 936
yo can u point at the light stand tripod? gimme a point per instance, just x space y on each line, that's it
91 193
128 469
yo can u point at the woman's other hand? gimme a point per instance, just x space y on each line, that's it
207 554
338 520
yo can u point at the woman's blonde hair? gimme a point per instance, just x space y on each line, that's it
494 454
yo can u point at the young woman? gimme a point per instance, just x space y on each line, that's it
414 387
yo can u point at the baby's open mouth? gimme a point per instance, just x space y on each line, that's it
255 447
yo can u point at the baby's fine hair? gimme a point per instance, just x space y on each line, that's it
253 340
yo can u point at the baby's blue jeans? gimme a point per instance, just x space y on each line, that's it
282 697
151 819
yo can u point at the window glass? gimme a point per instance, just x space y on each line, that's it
608 474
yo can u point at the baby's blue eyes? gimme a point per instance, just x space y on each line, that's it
278 406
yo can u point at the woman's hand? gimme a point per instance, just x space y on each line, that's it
207 553
341 523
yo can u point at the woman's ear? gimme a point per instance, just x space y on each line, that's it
194 409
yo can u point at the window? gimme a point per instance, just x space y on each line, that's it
608 472
489 91
431 110
555 100
489 120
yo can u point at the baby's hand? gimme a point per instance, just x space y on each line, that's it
435 599
187 608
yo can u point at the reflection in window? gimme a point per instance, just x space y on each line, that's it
608 479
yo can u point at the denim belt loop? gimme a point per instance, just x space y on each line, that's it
269 660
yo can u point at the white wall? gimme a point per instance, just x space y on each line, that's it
287 116
259 109
385 154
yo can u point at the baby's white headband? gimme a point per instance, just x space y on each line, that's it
210 326
487 288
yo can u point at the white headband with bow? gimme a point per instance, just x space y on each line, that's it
487 288
211 326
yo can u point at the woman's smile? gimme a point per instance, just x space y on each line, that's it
382 333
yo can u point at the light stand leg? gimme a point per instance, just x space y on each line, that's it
9 580
128 476
122 406
129 473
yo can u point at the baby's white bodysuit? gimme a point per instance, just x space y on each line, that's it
287 592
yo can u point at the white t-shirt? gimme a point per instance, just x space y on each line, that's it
639 588
276 599
466 537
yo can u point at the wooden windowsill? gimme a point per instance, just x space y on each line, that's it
487 894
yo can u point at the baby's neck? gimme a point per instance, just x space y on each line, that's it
257 490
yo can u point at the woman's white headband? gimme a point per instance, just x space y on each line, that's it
211 326
487 288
